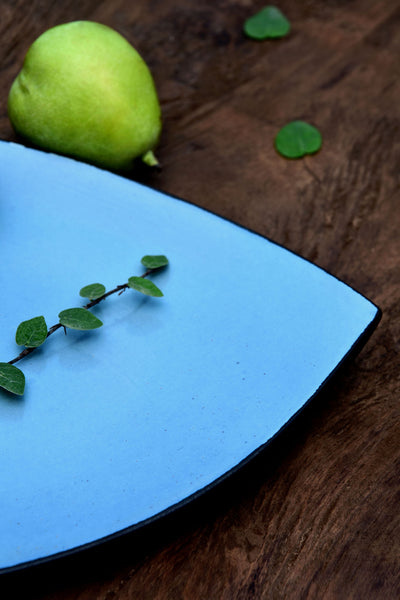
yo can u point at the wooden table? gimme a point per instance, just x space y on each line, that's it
317 514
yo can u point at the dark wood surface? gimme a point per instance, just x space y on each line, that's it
317 514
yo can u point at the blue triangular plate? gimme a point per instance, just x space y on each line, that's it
120 425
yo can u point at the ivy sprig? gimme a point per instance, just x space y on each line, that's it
32 333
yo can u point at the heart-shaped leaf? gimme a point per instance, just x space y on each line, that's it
269 22
144 286
31 333
12 379
154 261
298 138
92 291
79 318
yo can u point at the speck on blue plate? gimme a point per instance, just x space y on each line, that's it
123 423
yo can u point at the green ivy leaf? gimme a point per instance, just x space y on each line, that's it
79 318
92 291
269 22
31 333
154 261
298 138
144 286
12 379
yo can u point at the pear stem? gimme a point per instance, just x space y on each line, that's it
149 159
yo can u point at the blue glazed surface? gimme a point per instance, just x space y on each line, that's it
121 423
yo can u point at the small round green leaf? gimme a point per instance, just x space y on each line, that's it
269 22
144 286
92 291
154 261
31 333
298 138
12 379
79 318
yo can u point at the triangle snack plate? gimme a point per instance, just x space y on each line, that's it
121 424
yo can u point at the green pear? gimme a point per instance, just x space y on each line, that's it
84 91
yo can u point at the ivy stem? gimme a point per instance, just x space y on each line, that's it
118 289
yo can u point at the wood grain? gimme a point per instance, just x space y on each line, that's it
316 514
